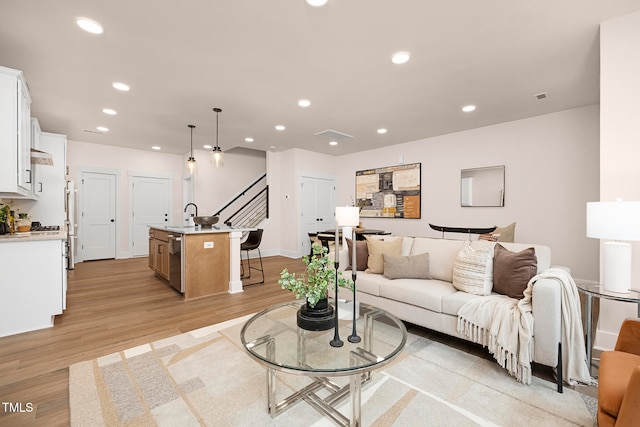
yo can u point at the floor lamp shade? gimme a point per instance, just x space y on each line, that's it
615 221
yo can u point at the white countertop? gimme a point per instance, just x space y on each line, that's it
33 236
194 229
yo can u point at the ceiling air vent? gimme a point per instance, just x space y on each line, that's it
541 96
333 135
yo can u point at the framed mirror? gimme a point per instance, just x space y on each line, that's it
482 186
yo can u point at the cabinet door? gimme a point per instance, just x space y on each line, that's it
24 139
163 260
153 247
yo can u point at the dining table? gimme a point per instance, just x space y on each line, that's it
330 235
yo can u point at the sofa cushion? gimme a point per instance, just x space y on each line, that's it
513 270
369 283
473 269
376 247
419 292
362 254
452 303
442 255
406 267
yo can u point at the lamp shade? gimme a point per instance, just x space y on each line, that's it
347 216
613 220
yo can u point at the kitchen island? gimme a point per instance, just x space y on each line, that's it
197 261
34 280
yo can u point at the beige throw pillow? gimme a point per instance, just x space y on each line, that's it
473 270
376 247
406 267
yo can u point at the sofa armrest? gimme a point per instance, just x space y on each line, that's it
629 337
343 258
547 322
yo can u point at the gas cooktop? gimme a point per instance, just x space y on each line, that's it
37 227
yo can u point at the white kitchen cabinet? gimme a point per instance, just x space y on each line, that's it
15 135
33 285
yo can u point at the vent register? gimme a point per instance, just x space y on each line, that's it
333 135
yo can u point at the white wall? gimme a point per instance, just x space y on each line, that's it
284 170
619 143
551 164
83 155
212 187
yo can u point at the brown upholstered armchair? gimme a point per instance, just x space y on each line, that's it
619 379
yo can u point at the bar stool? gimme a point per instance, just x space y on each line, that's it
252 243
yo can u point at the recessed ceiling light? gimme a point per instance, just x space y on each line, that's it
400 57
207 147
280 127
155 147
248 139
381 130
89 25
103 129
109 111
317 3
304 103
333 142
468 108
121 86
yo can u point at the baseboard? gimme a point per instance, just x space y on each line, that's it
605 340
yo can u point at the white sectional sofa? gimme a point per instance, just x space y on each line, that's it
434 303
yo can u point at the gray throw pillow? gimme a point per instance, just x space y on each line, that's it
406 267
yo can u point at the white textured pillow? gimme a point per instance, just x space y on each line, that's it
473 270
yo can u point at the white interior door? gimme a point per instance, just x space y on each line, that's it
151 205
317 208
98 216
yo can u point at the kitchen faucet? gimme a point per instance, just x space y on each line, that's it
187 206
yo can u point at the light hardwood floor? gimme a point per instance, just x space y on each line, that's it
112 305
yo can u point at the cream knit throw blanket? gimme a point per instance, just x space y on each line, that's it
505 326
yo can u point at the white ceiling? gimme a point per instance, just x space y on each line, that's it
255 59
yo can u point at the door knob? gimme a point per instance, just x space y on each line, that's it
113 220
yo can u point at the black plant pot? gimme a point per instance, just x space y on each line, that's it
318 318
4 228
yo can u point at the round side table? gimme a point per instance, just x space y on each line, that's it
590 290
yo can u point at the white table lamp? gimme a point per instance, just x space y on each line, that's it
615 221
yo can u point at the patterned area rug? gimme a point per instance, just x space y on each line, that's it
204 378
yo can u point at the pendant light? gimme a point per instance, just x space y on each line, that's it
192 166
216 153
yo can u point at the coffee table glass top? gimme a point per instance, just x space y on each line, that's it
383 336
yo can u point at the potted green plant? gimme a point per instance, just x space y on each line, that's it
313 286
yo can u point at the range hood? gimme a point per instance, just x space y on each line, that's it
41 158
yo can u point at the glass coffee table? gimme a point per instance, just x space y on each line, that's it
273 338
